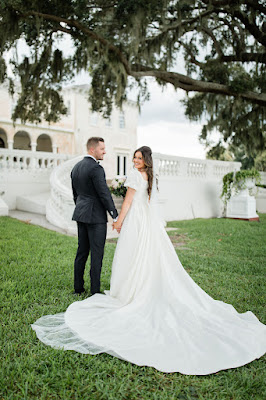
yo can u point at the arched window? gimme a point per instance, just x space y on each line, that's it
3 139
44 143
22 141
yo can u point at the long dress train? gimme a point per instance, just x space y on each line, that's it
154 313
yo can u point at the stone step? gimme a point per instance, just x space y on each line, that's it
33 203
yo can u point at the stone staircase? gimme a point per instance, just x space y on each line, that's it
32 209
33 203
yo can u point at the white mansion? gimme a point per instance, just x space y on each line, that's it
70 134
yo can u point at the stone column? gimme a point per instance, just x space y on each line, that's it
33 146
54 148
10 144
33 158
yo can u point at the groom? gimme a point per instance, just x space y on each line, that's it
92 199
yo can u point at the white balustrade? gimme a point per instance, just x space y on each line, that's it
196 169
25 160
192 167
166 165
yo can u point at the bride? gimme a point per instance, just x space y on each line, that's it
154 313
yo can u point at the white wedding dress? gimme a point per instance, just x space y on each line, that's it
154 313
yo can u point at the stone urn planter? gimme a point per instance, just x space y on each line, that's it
242 205
238 193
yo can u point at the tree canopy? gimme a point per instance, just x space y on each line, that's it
222 43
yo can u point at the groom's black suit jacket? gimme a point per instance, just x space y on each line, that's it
91 194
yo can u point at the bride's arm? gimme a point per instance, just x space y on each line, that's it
125 207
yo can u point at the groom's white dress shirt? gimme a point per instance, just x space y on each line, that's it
88 155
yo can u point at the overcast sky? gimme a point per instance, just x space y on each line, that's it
164 127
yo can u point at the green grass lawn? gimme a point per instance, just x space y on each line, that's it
225 257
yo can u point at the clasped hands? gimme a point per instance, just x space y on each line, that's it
117 225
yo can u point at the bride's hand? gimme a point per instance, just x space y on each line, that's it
117 226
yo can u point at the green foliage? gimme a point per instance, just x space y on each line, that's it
225 257
2 70
241 124
231 153
117 188
234 182
219 152
240 154
260 162
223 46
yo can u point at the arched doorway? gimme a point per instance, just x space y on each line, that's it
22 141
3 139
44 143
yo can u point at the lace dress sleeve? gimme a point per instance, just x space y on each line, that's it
133 179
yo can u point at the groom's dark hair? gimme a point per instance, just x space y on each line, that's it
93 141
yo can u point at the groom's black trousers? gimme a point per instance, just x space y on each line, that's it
91 239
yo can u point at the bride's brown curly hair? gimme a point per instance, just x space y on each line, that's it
148 165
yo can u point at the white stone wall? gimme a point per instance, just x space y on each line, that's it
190 188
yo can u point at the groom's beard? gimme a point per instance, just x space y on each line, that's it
100 157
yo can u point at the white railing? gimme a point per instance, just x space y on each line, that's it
26 160
192 167
166 165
